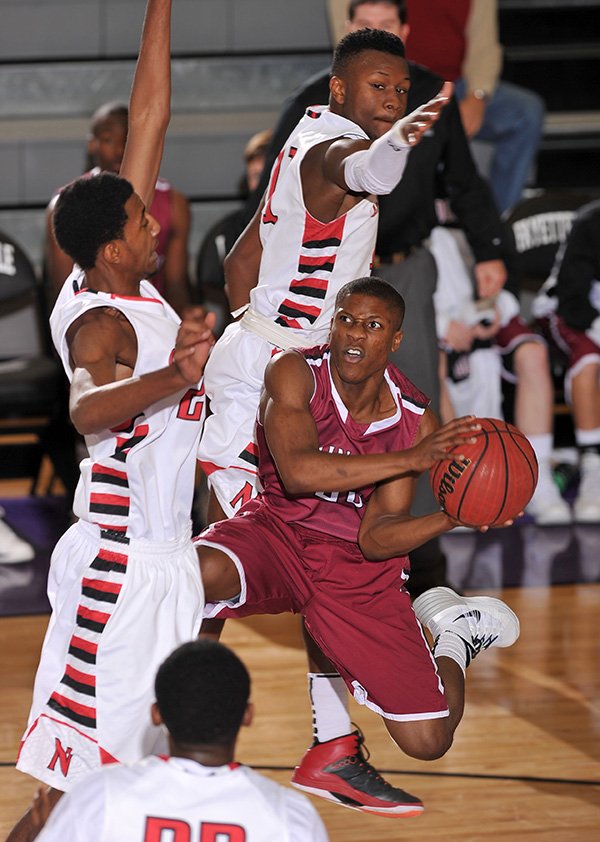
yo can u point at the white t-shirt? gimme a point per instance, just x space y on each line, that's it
178 800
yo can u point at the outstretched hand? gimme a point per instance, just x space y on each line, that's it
195 339
440 444
415 124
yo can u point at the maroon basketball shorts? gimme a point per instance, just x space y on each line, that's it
357 611
508 339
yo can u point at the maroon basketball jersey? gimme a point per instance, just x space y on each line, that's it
339 513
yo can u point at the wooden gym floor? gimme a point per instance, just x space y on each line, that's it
525 764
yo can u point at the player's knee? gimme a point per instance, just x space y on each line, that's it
219 574
428 740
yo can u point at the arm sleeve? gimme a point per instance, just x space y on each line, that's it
483 56
379 168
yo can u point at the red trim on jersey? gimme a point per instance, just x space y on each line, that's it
317 262
96 616
111 527
69 704
86 645
106 757
316 230
315 283
109 499
289 322
111 555
102 585
303 308
97 468
209 467
81 677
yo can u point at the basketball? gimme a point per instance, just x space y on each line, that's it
493 482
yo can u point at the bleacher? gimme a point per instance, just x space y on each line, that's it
234 62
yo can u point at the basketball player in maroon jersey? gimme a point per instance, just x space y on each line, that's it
342 437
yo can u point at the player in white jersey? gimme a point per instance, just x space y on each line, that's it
124 585
198 792
314 231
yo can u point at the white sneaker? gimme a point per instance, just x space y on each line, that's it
13 550
586 507
547 507
480 621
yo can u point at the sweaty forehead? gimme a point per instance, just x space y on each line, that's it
371 61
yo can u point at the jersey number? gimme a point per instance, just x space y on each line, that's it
175 830
190 406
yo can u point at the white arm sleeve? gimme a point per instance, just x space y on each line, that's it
379 168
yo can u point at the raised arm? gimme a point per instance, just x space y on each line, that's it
150 102
242 264
294 444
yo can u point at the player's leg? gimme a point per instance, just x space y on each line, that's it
527 354
585 397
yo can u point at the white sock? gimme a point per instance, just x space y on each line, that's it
542 446
587 438
329 702
451 645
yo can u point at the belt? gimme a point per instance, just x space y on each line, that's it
395 257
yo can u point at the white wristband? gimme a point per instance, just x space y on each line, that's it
379 168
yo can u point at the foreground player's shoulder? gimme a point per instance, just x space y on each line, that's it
296 813
288 371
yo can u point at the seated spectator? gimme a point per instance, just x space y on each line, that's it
202 693
220 238
484 341
568 307
170 208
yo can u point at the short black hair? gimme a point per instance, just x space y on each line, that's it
377 288
399 4
355 43
89 213
202 692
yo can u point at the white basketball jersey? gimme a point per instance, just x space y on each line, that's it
139 477
305 262
160 799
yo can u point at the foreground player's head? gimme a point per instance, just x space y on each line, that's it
89 213
369 80
202 693
365 330
375 288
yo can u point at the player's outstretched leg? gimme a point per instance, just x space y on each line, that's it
479 621
339 771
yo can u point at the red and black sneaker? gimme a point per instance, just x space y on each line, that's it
339 771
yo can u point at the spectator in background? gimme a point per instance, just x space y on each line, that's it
568 307
170 208
202 691
218 241
484 341
462 45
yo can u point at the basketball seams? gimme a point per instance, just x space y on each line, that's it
499 519
473 471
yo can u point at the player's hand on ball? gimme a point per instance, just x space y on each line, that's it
437 446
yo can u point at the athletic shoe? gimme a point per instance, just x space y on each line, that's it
547 507
13 550
480 621
586 507
339 771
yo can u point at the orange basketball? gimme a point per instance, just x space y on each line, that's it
495 480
